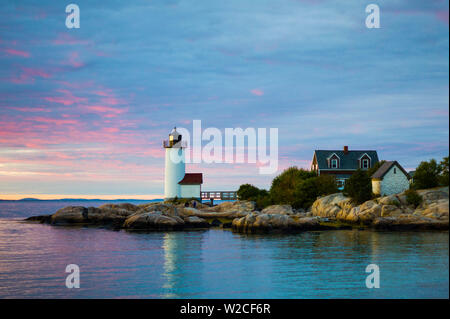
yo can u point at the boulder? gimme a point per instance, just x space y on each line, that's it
438 209
40 218
196 222
70 214
352 216
369 211
330 206
153 220
256 223
125 206
89 215
390 210
278 210
262 222
214 214
389 200
236 206
434 194
409 222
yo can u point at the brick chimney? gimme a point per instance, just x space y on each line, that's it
345 149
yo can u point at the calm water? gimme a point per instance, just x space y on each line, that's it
216 263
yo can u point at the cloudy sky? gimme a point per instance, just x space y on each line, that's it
83 111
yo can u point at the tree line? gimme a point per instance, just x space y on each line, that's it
300 188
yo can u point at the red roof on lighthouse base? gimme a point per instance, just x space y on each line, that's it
192 179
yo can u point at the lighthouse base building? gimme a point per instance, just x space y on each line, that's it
191 185
178 183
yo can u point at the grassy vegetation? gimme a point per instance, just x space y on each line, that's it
177 200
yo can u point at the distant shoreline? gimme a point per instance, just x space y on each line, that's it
79 199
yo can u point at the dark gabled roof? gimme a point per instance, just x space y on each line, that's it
379 174
348 161
192 179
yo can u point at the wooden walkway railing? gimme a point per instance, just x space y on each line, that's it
218 195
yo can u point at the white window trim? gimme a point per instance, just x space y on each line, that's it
337 163
365 160
334 154
329 158
364 155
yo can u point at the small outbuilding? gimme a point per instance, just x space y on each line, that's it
191 185
390 178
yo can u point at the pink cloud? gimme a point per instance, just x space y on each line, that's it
66 39
77 85
29 109
36 72
110 101
442 16
53 120
101 93
14 52
112 112
67 99
74 60
257 92
59 100
111 129
28 75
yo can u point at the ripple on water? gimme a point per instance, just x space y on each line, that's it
219 264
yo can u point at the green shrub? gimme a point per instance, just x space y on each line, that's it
326 184
283 189
261 197
426 175
443 168
247 191
413 198
359 187
309 189
305 193
262 201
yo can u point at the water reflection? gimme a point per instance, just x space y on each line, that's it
219 264
183 262
333 263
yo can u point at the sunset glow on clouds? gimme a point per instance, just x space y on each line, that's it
84 111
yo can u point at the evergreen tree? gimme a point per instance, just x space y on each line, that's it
359 187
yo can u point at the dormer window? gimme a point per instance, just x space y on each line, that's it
365 163
334 163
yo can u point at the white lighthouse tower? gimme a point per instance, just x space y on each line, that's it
175 165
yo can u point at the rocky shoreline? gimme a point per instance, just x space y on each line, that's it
329 212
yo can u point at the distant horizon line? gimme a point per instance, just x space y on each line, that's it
77 197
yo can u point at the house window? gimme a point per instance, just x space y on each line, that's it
340 183
395 170
334 163
365 163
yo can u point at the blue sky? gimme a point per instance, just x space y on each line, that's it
83 111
